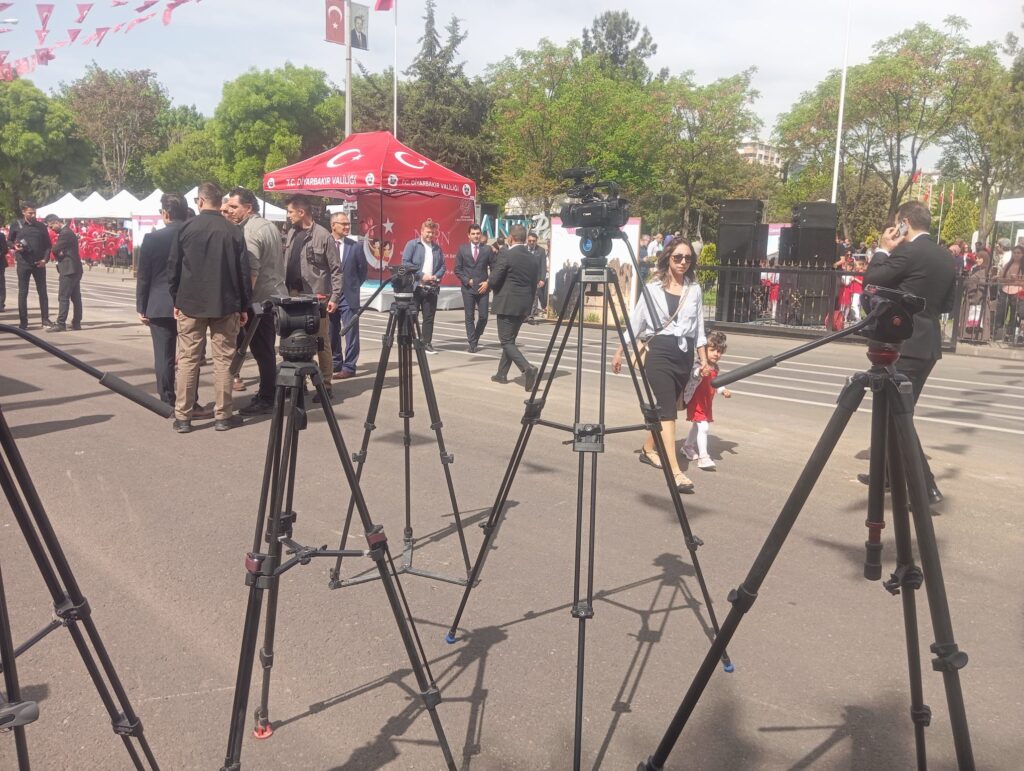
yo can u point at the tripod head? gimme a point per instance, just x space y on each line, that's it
297 320
889 322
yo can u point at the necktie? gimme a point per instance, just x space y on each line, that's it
476 252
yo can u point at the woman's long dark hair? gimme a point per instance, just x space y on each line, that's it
661 269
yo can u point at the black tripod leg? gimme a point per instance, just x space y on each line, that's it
649 409
949 659
743 598
9 711
876 484
378 550
70 605
534 407
446 458
406 412
260 567
387 341
905 581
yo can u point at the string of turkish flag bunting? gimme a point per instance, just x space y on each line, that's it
144 10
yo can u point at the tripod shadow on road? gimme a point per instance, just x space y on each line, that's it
872 731
53 426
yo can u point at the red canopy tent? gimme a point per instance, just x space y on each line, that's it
395 189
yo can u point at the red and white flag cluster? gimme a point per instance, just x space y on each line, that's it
44 54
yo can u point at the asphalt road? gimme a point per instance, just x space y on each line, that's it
156 526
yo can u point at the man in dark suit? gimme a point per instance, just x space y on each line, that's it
514 283
472 267
908 260
542 273
153 298
353 273
69 269
30 241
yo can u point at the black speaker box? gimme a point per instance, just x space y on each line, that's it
816 246
489 210
816 214
736 244
785 245
741 211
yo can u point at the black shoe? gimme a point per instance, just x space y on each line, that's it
934 496
57 328
531 377
76 327
316 396
183 426
429 349
472 348
499 379
23 326
257 406
865 479
226 424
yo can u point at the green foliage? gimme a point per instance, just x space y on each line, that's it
708 256
270 118
41 151
960 220
118 111
190 160
612 41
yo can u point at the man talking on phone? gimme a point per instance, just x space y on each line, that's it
908 260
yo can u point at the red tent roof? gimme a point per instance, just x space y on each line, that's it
370 161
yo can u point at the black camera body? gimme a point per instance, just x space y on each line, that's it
403 281
297 321
595 216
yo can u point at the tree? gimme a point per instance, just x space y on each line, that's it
118 113
270 118
442 110
959 221
41 151
613 40
192 159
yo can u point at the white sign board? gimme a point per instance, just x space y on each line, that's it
565 254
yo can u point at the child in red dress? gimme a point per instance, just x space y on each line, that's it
699 395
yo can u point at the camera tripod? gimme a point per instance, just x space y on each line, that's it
893 438
402 319
275 525
71 608
588 439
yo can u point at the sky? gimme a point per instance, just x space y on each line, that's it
792 43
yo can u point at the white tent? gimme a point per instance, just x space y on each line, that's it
66 207
121 206
150 204
93 207
1010 210
265 210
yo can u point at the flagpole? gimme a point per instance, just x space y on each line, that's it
942 203
394 109
348 68
842 103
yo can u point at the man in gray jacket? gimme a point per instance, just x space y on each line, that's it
266 271
313 266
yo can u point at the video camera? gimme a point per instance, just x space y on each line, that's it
594 216
297 321
890 314
403 281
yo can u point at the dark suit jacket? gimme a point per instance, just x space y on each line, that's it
922 268
152 297
478 271
542 264
208 269
514 282
65 250
38 237
353 271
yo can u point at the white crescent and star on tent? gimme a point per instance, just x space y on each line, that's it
340 159
389 226
418 163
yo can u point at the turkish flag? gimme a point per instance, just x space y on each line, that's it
73 34
44 56
3 56
145 5
384 5
41 35
5 6
335 21
83 11
101 32
45 11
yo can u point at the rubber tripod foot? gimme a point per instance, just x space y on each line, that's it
450 638
730 667
263 732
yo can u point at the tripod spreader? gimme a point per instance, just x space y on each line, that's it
114 383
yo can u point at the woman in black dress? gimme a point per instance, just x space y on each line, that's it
672 339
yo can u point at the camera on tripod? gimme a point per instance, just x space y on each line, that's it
297 321
595 216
